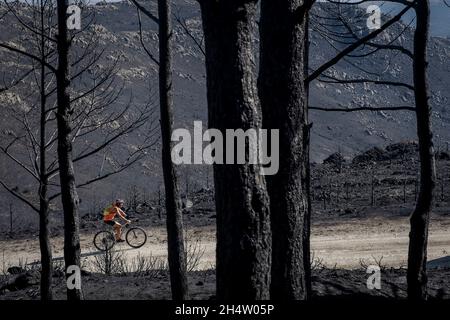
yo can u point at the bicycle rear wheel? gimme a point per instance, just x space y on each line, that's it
104 240
136 237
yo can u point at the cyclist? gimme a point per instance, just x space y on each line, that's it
109 215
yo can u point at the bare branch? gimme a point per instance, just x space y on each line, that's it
26 26
17 81
378 82
391 47
132 159
388 46
5 150
404 2
401 108
183 24
142 40
29 55
19 196
146 12
356 44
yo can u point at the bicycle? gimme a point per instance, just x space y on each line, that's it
135 237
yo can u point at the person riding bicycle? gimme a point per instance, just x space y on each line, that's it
109 215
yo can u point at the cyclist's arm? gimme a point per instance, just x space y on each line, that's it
122 214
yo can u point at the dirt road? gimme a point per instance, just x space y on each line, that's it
344 244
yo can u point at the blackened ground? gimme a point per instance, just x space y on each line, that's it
327 284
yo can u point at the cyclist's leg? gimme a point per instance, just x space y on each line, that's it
117 230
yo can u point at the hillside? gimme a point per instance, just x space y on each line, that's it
349 133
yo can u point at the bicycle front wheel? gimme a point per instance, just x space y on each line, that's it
136 237
104 240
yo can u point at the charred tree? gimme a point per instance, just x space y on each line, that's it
242 204
284 100
41 13
174 219
419 220
69 196
36 127
44 232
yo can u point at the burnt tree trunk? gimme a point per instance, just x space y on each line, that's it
44 241
419 220
69 194
44 244
284 100
174 219
242 204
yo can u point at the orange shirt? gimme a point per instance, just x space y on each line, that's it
110 212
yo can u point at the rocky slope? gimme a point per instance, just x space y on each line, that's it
116 25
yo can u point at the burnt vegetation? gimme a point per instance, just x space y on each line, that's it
82 125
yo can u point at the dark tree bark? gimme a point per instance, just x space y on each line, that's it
176 252
69 194
44 241
242 204
44 244
284 100
419 220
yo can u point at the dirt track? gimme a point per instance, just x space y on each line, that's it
344 244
